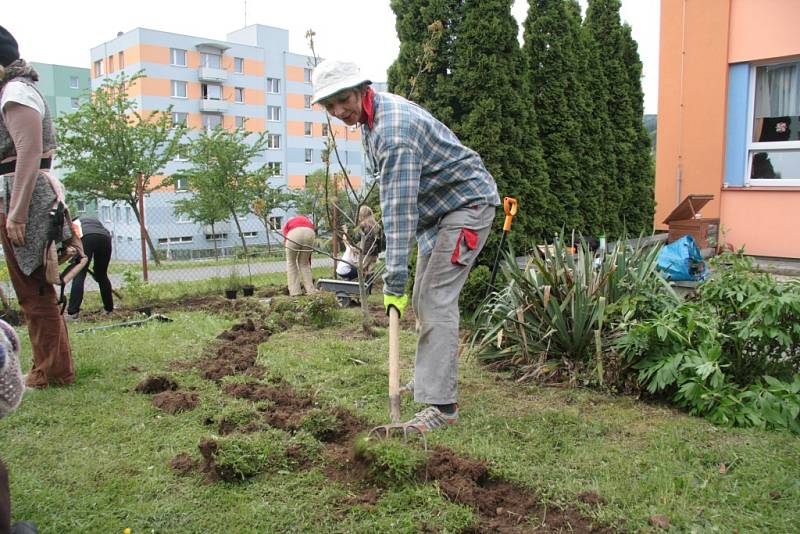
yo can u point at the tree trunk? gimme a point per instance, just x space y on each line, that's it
366 320
214 238
153 253
244 245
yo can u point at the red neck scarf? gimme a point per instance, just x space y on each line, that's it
368 111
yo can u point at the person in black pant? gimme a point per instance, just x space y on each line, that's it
97 246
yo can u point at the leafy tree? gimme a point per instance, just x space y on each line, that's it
267 200
553 69
107 146
204 209
220 172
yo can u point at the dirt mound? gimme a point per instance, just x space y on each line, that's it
156 384
183 463
236 352
503 506
173 402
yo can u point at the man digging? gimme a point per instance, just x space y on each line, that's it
435 189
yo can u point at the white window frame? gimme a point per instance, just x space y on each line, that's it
238 65
273 141
76 84
274 86
98 68
309 155
273 166
204 56
74 102
308 129
178 83
105 213
306 75
766 146
238 95
181 184
204 88
210 116
240 121
182 218
325 129
176 114
274 113
173 57
307 101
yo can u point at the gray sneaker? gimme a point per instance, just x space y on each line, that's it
431 418
71 316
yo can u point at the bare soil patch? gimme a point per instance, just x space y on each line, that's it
500 505
174 402
156 384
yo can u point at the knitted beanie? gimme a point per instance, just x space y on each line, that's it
11 385
9 50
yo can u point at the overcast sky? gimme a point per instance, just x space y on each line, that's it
62 32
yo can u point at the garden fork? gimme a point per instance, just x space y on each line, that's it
395 427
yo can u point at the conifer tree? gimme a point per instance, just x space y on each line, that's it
599 199
494 118
551 53
632 168
421 71
643 184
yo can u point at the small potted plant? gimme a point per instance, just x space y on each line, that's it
248 290
233 284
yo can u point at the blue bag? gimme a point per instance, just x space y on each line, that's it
681 260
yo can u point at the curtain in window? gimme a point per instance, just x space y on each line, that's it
777 91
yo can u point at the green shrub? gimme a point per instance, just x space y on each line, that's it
558 315
318 310
137 292
732 354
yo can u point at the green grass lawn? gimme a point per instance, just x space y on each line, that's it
94 457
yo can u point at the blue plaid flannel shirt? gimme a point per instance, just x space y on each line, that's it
425 173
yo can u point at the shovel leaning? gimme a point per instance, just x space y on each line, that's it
510 207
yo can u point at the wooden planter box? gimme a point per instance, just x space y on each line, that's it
687 220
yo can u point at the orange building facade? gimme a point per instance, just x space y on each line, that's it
729 118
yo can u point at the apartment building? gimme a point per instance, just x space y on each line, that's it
64 88
250 80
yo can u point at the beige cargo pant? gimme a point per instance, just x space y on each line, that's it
437 285
298 260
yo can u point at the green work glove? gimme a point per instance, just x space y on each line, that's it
398 302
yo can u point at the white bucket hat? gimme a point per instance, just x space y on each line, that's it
332 76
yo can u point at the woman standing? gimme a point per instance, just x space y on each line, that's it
27 142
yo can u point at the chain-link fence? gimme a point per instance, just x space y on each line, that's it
178 250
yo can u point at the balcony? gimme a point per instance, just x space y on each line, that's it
210 74
213 106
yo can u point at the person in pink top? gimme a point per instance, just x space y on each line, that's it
299 235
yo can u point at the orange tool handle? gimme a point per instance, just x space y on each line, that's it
510 207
